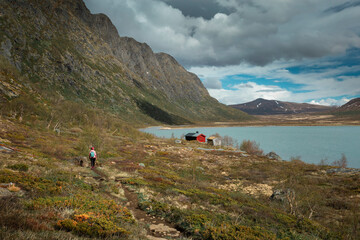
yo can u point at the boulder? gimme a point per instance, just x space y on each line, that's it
281 194
274 156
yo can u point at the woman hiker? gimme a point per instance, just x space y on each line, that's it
92 157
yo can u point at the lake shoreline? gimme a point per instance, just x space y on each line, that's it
294 120
312 143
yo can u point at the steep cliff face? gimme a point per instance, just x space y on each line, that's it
61 50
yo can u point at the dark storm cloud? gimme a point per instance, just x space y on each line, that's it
342 7
229 32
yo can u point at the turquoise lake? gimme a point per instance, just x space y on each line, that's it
312 144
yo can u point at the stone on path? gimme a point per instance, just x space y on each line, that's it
163 230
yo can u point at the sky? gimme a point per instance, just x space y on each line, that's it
287 50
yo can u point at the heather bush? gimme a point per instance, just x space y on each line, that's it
92 226
234 232
31 183
19 167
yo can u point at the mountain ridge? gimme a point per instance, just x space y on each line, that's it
352 105
262 106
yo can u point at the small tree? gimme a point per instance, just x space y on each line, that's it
251 147
342 162
296 159
323 162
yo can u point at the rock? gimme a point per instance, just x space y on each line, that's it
10 190
274 156
200 168
5 48
4 192
281 194
5 149
342 170
164 230
80 161
154 238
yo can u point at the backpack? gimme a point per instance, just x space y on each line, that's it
92 154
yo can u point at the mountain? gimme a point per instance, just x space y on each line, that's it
351 106
262 106
55 51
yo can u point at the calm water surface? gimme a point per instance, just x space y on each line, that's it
312 144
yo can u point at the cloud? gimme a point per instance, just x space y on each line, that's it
299 51
212 83
230 32
311 82
342 7
330 102
199 8
249 91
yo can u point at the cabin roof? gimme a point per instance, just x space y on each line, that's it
194 134
212 137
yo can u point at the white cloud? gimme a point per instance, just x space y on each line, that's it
324 83
249 91
330 102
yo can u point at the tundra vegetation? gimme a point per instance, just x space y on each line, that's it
203 194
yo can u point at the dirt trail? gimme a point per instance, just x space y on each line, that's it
159 229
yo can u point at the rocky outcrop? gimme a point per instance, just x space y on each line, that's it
273 156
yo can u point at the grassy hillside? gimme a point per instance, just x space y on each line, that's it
141 182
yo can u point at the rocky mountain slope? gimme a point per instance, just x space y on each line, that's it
270 107
53 51
352 105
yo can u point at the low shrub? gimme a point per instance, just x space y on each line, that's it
13 216
31 183
229 232
19 167
342 162
91 226
251 147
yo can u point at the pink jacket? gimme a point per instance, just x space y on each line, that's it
94 153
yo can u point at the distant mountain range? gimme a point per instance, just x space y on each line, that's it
262 106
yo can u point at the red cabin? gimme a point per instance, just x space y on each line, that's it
195 136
